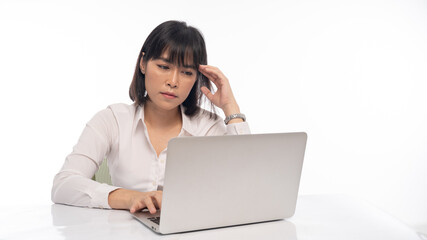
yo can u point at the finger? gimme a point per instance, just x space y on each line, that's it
158 198
209 67
207 93
219 82
149 203
213 71
136 206
214 80
210 77
210 74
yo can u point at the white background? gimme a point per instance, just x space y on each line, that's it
349 73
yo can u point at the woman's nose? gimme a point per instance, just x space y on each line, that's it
173 79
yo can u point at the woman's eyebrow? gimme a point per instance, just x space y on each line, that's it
165 60
169 61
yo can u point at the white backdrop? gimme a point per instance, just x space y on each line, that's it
349 73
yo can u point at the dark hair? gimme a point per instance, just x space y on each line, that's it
182 43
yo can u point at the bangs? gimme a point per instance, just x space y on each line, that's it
183 47
181 56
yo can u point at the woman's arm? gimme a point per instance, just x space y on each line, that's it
134 200
223 97
73 184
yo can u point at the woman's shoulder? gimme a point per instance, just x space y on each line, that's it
123 111
122 108
114 113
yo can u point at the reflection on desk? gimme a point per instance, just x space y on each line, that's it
317 217
79 223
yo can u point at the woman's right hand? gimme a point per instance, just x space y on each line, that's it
135 201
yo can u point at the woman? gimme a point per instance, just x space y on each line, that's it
170 78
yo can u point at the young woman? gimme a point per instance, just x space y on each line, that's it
170 78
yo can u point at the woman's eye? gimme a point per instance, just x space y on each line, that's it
163 66
188 73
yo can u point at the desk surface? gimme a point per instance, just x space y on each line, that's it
317 217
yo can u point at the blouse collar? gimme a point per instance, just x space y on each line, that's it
188 124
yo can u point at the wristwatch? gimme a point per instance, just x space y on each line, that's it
233 116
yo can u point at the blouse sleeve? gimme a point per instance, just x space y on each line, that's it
219 128
73 184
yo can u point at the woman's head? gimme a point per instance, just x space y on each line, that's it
181 46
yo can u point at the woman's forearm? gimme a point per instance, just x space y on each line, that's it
134 201
119 198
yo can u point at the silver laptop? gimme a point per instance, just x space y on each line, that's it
220 181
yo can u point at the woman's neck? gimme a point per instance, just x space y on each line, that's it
160 118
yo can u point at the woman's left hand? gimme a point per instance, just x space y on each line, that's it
223 97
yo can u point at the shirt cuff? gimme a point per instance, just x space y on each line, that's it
100 196
238 128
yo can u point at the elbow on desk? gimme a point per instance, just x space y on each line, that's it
58 182
63 189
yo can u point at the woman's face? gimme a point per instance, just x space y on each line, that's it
167 84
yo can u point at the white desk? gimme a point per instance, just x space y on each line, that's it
317 217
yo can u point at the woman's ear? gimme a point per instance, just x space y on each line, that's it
142 63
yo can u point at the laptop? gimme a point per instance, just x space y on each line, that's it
219 181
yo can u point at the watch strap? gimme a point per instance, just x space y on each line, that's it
233 116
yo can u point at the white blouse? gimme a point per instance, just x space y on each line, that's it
119 134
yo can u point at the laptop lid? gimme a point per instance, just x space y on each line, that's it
219 181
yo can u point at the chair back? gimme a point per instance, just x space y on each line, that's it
103 174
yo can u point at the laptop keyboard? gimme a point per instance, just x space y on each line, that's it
155 220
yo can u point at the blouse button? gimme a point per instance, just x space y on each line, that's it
162 160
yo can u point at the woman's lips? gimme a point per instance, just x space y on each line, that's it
168 95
